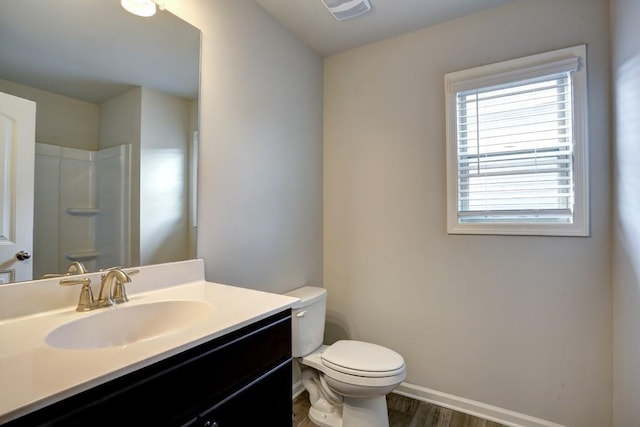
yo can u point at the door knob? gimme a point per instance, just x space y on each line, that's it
22 255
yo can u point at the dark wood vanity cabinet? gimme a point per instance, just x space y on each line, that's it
241 379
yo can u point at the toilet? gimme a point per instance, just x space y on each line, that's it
347 381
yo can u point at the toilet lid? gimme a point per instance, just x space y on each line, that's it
362 359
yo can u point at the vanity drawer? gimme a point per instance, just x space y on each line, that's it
262 402
177 390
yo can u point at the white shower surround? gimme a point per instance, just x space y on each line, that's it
82 201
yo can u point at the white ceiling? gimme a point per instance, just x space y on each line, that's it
93 49
310 21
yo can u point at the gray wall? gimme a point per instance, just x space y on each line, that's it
164 178
260 177
522 323
61 120
626 231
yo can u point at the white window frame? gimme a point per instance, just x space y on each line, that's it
513 71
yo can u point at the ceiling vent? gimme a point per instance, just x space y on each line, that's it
347 9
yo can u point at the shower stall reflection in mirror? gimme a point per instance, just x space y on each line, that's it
81 208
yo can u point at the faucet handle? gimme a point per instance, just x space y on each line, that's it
52 275
75 281
86 294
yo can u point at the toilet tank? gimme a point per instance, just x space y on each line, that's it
308 315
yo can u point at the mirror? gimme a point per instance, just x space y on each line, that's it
116 130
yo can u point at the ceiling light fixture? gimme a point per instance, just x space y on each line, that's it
347 9
143 8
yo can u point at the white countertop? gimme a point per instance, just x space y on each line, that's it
34 374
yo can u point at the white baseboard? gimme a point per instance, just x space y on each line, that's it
471 407
297 388
460 404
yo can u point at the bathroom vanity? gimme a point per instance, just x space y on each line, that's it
231 366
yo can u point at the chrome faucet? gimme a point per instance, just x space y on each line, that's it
115 292
112 290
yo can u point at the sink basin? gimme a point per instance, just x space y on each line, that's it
128 324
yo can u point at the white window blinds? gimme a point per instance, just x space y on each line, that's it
517 146
514 138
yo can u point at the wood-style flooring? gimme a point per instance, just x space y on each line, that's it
403 412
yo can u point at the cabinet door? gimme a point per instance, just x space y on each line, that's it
267 402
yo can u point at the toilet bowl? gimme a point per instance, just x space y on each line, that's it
347 381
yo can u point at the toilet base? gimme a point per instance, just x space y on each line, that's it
365 412
322 419
335 403
356 412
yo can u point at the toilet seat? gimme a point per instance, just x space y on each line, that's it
347 355
363 359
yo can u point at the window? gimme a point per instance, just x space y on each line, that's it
517 146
